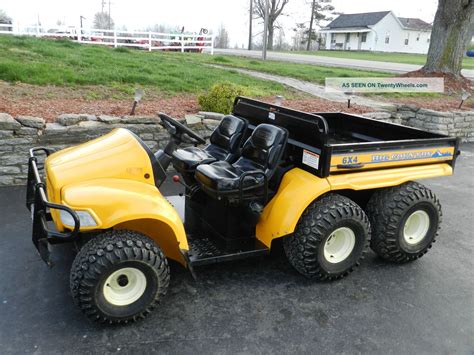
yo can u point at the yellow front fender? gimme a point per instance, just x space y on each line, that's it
129 204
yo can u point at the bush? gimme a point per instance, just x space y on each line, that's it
220 98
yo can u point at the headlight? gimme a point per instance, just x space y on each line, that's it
84 217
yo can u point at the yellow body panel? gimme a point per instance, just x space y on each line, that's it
365 180
391 159
111 177
299 188
128 204
115 155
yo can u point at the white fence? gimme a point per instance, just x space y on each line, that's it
178 42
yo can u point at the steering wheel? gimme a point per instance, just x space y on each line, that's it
176 128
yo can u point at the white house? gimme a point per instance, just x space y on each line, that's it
378 31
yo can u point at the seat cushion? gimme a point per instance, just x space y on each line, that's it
189 158
228 134
224 177
225 144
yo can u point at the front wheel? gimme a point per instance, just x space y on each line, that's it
119 276
329 239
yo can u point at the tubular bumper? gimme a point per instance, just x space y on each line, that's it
39 206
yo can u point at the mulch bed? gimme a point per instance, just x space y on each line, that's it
49 102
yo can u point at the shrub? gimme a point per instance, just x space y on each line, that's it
220 98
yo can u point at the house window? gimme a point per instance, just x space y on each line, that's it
387 38
348 37
364 38
333 38
406 41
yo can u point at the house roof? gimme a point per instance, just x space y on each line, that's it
414 23
358 20
367 19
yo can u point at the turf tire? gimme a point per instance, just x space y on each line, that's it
305 247
388 210
107 253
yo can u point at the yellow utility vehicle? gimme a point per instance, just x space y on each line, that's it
327 184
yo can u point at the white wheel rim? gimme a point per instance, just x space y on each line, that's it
339 245
416 227
124 286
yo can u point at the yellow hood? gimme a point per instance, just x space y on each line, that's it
118 154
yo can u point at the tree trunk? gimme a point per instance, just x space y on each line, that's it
271 30
452 31
308 45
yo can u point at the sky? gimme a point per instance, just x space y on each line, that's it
194 14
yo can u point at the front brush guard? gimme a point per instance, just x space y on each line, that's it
39 206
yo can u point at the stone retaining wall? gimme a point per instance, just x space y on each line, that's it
451 123
18 135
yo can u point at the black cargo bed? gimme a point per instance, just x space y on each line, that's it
332 142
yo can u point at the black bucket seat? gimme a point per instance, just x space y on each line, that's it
225 144
257 164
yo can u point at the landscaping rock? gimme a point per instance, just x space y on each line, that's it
88 117
211 115
30 121
378 115
70 119
193 119
92 124
428 112
109 119
9 170
26 131
7 122
140 120
6 134
408 107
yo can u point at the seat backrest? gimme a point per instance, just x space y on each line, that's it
264 149
228 135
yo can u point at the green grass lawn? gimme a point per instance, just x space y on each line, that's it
307 72
420 59
64 63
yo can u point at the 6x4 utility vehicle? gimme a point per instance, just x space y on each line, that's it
328 184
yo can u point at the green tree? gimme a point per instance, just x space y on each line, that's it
321 10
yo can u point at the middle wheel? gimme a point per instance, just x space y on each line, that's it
329 239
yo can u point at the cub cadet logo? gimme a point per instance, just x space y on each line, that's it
409 156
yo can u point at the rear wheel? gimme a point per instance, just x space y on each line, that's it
119 276
405 221
329 239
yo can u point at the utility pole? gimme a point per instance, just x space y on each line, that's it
308 45
265 32
250 24
109 14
